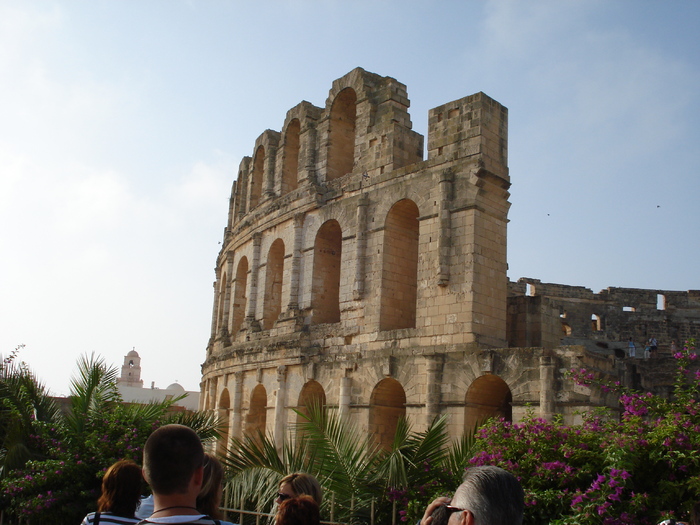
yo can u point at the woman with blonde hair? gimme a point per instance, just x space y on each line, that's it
298 484
121 492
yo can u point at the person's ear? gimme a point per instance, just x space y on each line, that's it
466 518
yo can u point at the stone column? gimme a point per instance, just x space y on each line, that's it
293 305
280 410
546 387
253 288
358 291
445 232
344 399
433 367
236 412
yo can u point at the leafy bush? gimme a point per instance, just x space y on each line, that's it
635 470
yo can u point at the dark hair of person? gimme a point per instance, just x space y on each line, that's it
302 510
171 456
121 489
441 515
209 497
303 483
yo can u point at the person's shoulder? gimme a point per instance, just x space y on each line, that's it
113 519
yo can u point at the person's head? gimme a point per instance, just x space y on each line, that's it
302 510
488 495
121 489
209 497
298 484
172 460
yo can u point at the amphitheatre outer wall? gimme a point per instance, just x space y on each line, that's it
357 274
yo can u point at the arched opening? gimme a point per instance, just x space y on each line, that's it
530 290
239 295
223 303
400 267
566 329
341 148
487 397
660 301
258 174
290 168
312 394
272 302
596 324
257 413
224 406
387 405
325 285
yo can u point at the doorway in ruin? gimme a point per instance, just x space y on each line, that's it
387 405
239 296
325 284
224 415
274 270
488 396
341 147
311 395
256 419
290 166
399 289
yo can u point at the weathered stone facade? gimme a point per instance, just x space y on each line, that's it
358 274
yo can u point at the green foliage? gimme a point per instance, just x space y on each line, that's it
354 473
58 480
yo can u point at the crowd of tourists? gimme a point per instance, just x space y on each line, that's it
187 484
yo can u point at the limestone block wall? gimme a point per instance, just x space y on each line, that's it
612 315
356 274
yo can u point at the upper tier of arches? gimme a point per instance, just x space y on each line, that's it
365 127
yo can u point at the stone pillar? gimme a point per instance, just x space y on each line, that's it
433 367
293 305
445 234
236 412
280 410
344 399
358 291
253 288
546 387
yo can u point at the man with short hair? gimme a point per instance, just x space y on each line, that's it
172 465
488 495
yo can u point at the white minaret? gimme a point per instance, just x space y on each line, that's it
131 370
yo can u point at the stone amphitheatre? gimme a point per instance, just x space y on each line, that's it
358 274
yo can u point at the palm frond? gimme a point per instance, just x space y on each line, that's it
92 389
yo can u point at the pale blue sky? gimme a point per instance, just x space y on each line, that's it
122 124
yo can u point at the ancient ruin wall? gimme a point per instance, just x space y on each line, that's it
357 274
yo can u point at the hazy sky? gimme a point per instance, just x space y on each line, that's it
122 124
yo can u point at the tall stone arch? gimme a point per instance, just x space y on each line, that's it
256 420
312 394
488 396
325 285
341 147
239 295
290 165
258 174
399 288
274 271
387 405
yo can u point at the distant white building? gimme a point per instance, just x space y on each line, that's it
130 386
